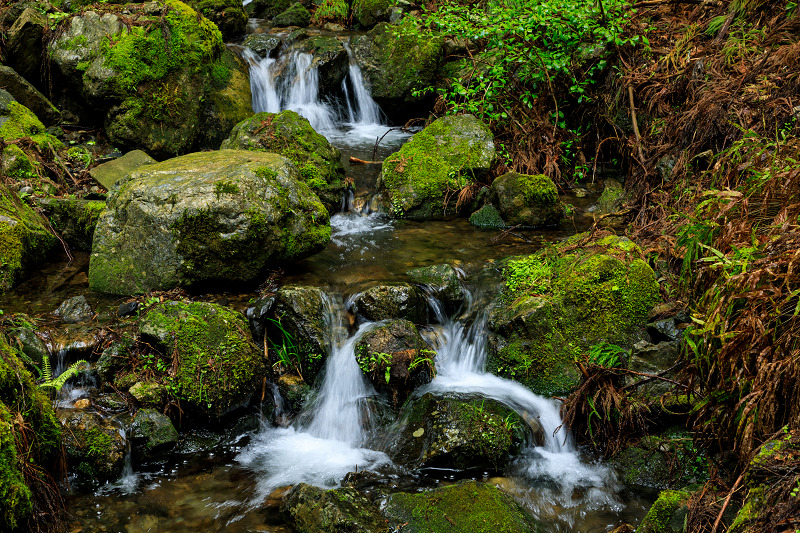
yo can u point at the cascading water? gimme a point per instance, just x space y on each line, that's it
361 108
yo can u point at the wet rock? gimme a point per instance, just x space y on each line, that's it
294 392
225 104
111 361
397 61
24 338
331 60
419 180
95 446
487 217
75 309
152 434
396 359
667 514
261 43
295 15
389 301
443 283
369 12
665 330
613 198
653 359
28 95
527 200
23 44
71 341
127 309
461 432
220 368
107 174
205 218
300 313
26 241
467 506
267 9
287 133
258 315
555 305
148 393
315 510
111 402
228 15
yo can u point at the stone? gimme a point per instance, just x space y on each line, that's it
74 219
258 316
148 393
471 506
75 309
107 174
219 366
460 432
228 15
443 283
369 12
29 96
487 217
127 309
330 59
317 510
524 200
653 359
111 361
294 391
667 514
612 199
396 359
267 9
26 339
391 301
287 133
205 218
421 180
152 434
262 44
95 447
300 321
295 15
23 44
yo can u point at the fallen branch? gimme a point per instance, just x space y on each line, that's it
635 124
357 161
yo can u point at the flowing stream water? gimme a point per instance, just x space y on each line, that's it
230 488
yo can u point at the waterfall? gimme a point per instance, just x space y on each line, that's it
361 108
262 83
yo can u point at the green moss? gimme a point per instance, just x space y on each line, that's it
225 187
22 122
332 11
660 515
17 165
487 217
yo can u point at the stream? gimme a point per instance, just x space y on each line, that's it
227 480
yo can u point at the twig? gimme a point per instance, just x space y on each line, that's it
727 501
635 124
357 161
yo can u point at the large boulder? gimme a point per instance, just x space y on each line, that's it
398 61
151 434
267 9
367 13
559 302
316 510
460 432
527 200
422 180
292 136
24 238
392 300
23 44
228 15
295 15
467 506
17 121
396 359
205 217
95 445
442 282
218 366
28 95
154 86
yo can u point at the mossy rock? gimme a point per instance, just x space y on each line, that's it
228 15
299 323
295 15
219 366
18 122
443 283
316 510
152 434
527 200
391 301
203 218
95 446
18 166
74 219
28 95
23 41
558 302
287 133
667 514
461 432
267 9
23 408
398 61
367 13
330 58
487 217
227 101
467 506
24 239
396 359
422 180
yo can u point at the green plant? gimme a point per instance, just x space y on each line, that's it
49 382
606 355
286 353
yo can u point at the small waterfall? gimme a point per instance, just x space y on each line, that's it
300 93
361 108
262 83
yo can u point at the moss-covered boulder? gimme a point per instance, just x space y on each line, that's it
367 13
298 326
30 436
95 446
392 300
397 61
422 180
154 85
202 218
527 200
295 15
315 510
396 359
27 95
151 433
24 238
74 219
228 15
218 365
110 172
467 506
267 9
443 283
487 217
562 300
667 514
292 136
18 122
461 432
23 42
227 101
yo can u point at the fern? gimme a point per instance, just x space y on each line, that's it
56 383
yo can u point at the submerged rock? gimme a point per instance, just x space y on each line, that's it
219 366
315 510
470 506
461 432
423 179
557 304
395 300
287 133
207 217
527 200
396 359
